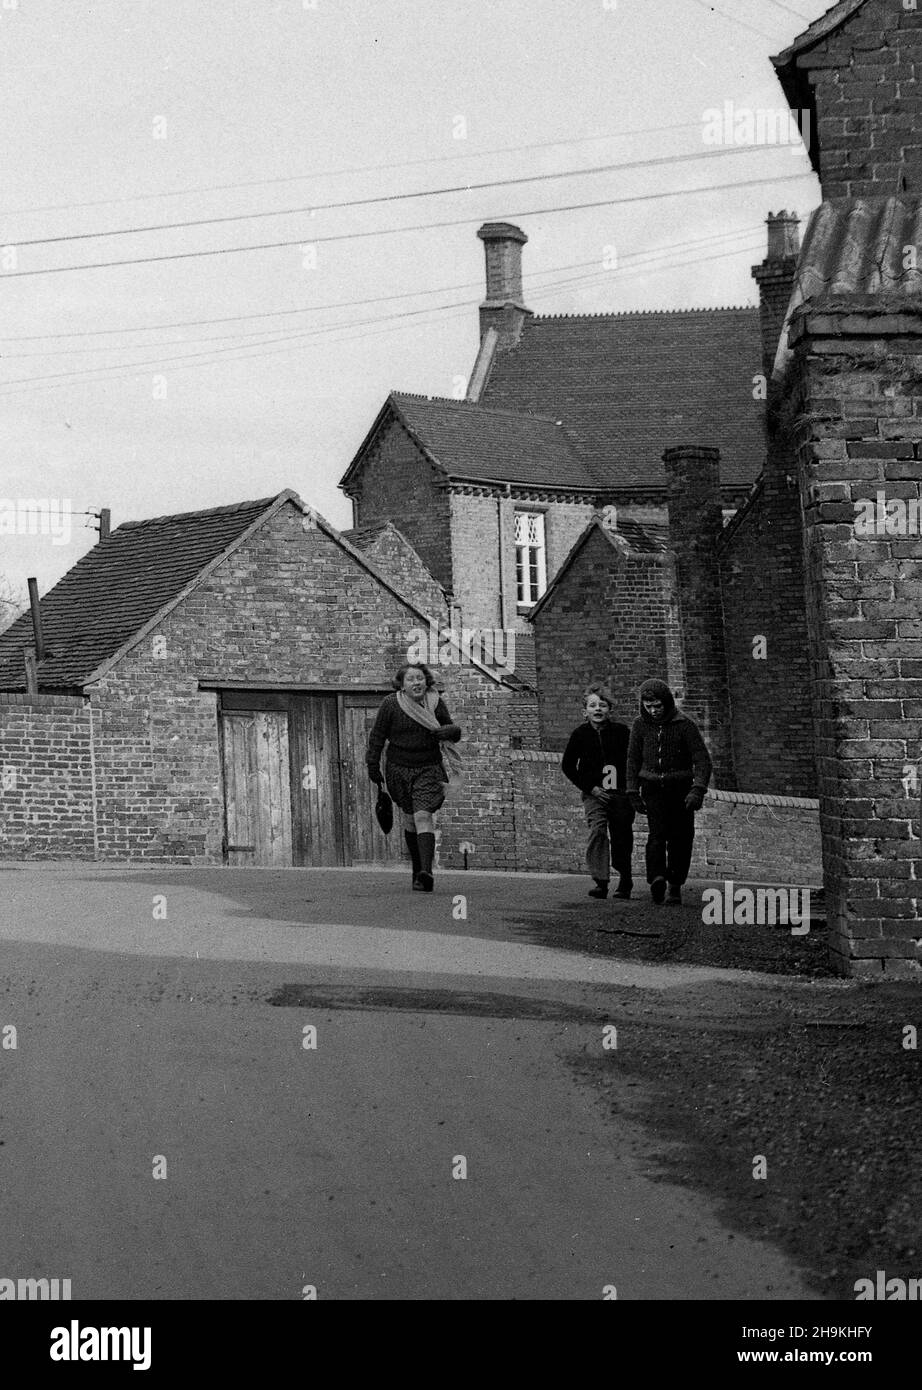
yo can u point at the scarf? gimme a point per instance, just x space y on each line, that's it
425 714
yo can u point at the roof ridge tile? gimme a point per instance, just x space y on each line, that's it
258 502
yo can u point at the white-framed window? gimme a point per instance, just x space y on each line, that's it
530 558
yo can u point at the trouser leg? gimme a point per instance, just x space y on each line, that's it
597 851
658 821
621 833
681 834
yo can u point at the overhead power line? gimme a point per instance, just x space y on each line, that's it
339 304
394 231
293 342
355 169
311 208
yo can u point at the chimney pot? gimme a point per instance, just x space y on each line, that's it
503 308
783 235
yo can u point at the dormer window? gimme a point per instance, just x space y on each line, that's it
530 558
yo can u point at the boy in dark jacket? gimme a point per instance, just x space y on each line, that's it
594 762
668 771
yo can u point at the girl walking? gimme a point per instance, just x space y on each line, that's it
415 727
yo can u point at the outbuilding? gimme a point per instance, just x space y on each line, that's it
205 686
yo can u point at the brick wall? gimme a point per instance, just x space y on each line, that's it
476 548
46 771
289 606
854 391
762 578
868 107
746 837
475 559
397 483
613 619
399 562
695 528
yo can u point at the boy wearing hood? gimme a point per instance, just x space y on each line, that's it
668 771
594 762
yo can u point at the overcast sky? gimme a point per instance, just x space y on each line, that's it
131 113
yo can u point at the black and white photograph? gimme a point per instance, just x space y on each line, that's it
461 665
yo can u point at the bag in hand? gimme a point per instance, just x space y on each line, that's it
384 810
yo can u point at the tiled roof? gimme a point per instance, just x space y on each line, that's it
116 588
855 251
627 386
857 246
651 538
819 29
513 446
525 669
361 536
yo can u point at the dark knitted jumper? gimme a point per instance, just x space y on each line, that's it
589 751
667 750
408 743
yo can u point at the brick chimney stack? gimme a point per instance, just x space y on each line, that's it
695 526
775 279
503 309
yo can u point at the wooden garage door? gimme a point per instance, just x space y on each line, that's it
316 791
296 787
367 843
256 787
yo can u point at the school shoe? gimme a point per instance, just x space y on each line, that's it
675 896
624 888
600 890
658 889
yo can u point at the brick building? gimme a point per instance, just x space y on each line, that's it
205 689
206 684
563 414
195 667
794 636
846 411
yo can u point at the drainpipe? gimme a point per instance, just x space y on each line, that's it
502 572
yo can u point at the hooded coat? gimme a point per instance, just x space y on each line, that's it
666 750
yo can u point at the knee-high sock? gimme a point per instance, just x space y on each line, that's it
413 846
426 851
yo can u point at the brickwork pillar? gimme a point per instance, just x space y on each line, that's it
854 392
695 527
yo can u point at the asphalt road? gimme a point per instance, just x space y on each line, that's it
143 1038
